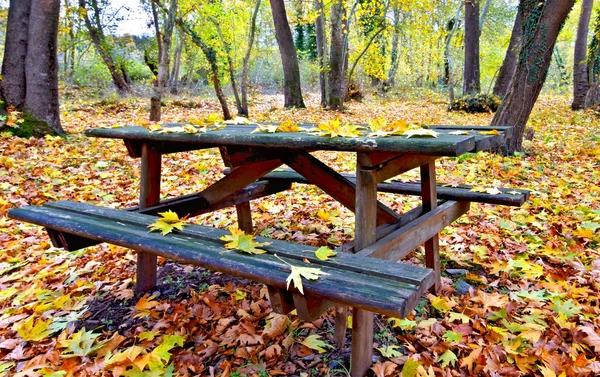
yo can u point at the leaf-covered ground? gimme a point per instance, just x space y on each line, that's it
527 302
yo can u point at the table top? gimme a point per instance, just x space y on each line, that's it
445 144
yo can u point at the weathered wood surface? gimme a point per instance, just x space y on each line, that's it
433 225
444 145
404 240
508 196
369 284
334 184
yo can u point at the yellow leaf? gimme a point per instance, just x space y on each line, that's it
169 216
584 233
237 121
492 132
165 227
239 295
309 273
33 331
420 132
315 343
288 126
144 306
323 215
239 240
458 133
268 128
442 304
323 253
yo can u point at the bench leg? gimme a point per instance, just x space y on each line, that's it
432 245
364 235
341 324
149 196
244 217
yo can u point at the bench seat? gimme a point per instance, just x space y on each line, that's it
372 284
508 196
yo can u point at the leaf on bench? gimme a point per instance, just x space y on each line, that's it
323 253
487 190
380 128
241 241
420 132
167 223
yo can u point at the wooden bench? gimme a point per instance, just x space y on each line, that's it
359 281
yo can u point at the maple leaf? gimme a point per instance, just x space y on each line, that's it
168 222
238 121
161 354
268 128
241 241
409 369
492 132
446 358
276 325
584 232
309 273
288 126
459 317
458 133
384 369
32 331
566 308
404 323
323 253
390 351
442 304
380 128
334 128
81 344
239 295
420 132
315 343
128 355
451 336
487 190
144 305
471 359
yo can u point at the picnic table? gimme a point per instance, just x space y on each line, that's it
364 278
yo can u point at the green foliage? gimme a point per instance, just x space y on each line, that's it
479 103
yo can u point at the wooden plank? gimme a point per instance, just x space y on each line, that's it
432 245
403 241
281 300
149 195
371 293
508 196
333 183
365 235
400 272
444 145
134 147
341 324
236 180
309 307
238 156
244 217
400 165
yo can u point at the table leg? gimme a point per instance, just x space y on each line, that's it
149 195
364 235
244 217
429 198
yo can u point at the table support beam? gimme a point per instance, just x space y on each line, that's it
429 198
149 195
365 234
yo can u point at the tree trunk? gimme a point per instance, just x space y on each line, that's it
336 57
580 79
246 61
118 73
163 64
292 91
321 48
471 83
174 76
542 22
509 65
389 81
41 63
13 82
592 98
484 12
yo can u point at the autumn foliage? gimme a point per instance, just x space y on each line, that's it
525 303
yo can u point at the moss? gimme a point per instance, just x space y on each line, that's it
479 103
30 127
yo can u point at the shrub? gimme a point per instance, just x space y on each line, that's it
479 103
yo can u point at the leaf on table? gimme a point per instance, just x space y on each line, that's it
458 133
309 273
492 132
212 119
33 331
241 241
315 343
390 351
380 128
513 192
334 128
446 358
288 125
487 190
420 132
268 128
238 121
168 222
190 129
323 253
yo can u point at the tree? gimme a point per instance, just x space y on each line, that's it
580 79
292 90
337 62
509 65
164 55
592 98
30 66
471 79
91 13
542 21
321 48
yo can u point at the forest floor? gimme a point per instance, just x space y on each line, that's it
527 302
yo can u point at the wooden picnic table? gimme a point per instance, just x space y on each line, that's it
379 231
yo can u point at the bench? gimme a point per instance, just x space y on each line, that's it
372 284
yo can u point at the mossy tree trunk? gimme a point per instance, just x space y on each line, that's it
472 82
164 40
542 21
30 66
509 65
580 76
